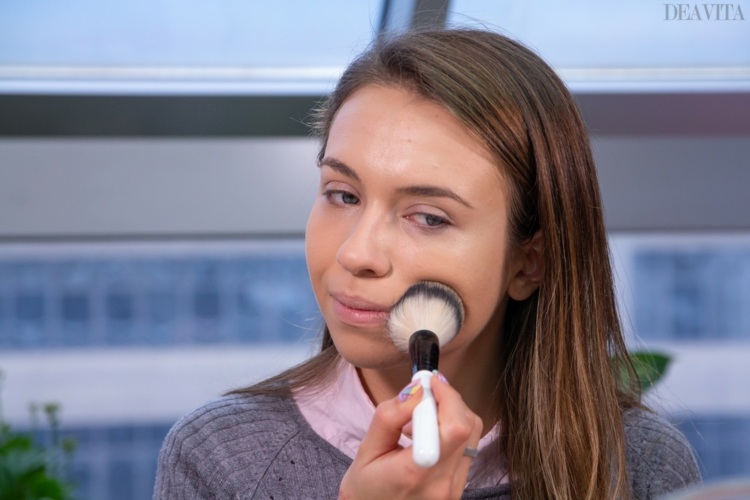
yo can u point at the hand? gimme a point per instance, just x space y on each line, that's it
382 469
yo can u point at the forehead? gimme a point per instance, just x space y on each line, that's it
397 130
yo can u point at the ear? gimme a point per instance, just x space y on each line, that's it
527 269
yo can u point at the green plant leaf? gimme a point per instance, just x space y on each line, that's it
15 442
47 487
650 367
31 471
21 463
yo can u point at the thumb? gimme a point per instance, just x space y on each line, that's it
390 418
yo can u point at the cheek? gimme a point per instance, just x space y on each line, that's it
485 289
318 245
324 235
480 278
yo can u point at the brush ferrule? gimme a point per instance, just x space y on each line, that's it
424 350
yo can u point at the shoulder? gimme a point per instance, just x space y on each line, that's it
203 446
660 459
234 414
239 445
234 418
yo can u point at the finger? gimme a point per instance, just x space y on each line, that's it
460 428
457 422
385 429
464 462
408 430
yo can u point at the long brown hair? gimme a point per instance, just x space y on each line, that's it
561 403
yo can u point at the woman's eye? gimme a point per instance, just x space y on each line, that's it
430 220
341 197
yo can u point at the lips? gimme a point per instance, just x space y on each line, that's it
356 311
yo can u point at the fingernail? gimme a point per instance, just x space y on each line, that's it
409 391
440 376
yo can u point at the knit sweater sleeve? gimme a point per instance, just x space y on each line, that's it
660 459
246 447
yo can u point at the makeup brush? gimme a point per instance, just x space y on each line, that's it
426 318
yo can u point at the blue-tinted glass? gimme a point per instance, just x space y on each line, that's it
687 297
143 33
742 277
687 311
298 312
30 307
119 306
562 32
733 463
4 331
149 477
76 273
248 307
81 475
722 444
689 294
76 324
731 285
120 435
161 313
81 435
206 303
119 300
206 300
206 270
206 334
120 480
29 328
161 306
649 269
5 277
120 311
157 433
161 279
75 307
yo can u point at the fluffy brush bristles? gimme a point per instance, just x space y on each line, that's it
426 306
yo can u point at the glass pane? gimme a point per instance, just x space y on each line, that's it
184 32
167 41
641 41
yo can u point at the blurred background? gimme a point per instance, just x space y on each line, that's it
156 173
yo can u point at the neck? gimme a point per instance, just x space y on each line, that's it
477 384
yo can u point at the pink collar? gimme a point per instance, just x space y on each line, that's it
341 411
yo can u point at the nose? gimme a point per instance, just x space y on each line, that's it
364 252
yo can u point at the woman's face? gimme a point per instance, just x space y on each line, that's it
406 194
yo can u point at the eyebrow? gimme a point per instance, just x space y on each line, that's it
339 167
420 190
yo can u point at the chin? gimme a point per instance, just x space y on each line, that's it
378 363
374 354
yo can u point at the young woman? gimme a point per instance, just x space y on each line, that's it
455 156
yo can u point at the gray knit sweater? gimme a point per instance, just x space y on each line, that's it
243 447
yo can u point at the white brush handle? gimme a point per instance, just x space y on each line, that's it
425 433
